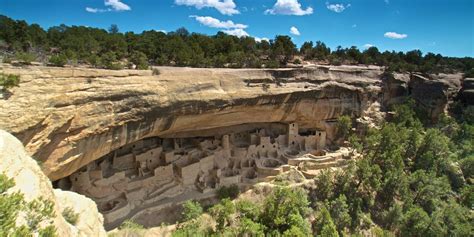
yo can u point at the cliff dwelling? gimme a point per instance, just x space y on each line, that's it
155 171
141 151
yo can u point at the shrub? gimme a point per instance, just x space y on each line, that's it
156 72
7 59
130 225
272 64
109 61
115 66
344 126
8 81
70 216
194 228
231 192
335 61
191 210
297 61
222 213
37 211
58 60
140 60
469 73
94 60
248 227
25 58
248 209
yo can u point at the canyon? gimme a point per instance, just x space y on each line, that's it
142 141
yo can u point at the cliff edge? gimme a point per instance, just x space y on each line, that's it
69 117
33 184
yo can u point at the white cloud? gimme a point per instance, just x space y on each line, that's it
237 32
216 23
395 35
94 10
261 39
226 7
113 5
117 5
368 46
338 7
289 7
230 27
294 31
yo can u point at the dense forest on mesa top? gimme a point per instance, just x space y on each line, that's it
112 49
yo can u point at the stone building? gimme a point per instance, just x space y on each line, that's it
155 169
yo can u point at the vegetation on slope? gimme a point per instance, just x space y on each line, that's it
413 180
112 49
8 81
38 212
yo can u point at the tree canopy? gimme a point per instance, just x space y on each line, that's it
97 47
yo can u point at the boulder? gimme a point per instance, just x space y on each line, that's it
29 180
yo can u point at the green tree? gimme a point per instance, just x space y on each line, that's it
324 223
339 211
231 192
306 50
109 61
283 49
222 213
248 227
321 51
248 209
284 208
113 29
433 148
324 186
343 126
354 54
58 60
415 223
140 60
428 191
191 210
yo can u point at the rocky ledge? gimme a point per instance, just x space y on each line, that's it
34 185
69 117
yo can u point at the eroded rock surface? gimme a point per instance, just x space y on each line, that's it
33 184
68 117
139 144
468 91
431 93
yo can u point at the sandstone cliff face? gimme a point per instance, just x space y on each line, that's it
431 93
467 94
68 117
29 180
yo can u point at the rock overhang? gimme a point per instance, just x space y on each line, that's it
67 117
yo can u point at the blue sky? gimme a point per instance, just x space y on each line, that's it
439 26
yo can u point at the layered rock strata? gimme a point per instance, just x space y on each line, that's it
68 117
134 141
